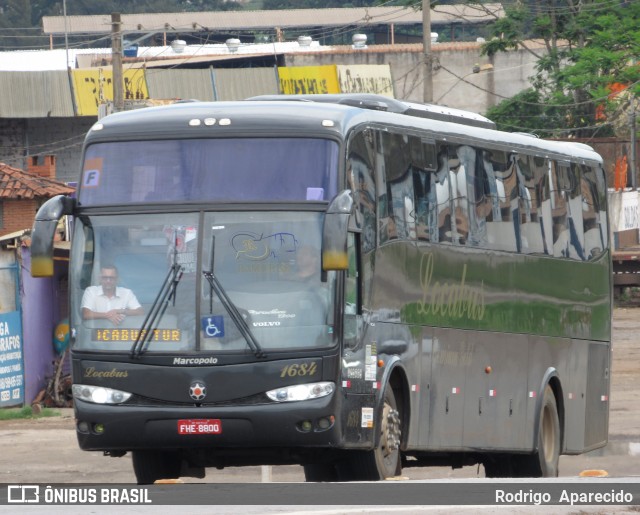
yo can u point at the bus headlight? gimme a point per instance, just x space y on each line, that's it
99 394
301 392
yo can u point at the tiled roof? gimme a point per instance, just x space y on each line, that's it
18 184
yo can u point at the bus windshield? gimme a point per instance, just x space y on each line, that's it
246 280
238 169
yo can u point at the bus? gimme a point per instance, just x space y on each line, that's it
458 309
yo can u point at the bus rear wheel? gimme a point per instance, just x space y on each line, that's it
544 462
149 466
383 461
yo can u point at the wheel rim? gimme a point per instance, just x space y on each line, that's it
548 435
390 432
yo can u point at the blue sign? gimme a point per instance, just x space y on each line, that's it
11 360
212 326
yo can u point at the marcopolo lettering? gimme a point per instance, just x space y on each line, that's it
195 361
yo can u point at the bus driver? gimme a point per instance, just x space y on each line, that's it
109 301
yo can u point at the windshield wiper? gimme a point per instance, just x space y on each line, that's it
166 295
235 314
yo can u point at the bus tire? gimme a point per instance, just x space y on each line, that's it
384 460
320 472
544 462
149 466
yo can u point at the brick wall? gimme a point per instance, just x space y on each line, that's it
61 137
18 214
12 137
45 166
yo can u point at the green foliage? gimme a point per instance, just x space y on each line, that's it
589 46
26 412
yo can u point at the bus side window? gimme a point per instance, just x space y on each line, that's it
530 228
399 222
560 230
403 206
465 197
574 211
459 208
501 175
361 182
594 242
423 159
442 213
421 192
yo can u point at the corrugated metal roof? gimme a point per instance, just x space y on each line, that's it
18 184
35 94
181 84
251 20
243 83
210 84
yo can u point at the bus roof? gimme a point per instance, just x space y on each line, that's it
320 116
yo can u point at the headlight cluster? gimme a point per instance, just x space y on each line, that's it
301 392
99 394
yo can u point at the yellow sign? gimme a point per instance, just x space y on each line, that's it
130 335
365 78
94 86
308 80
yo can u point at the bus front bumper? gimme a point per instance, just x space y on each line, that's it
313 423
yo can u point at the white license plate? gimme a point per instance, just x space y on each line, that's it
200 427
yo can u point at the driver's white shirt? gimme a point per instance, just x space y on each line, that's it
95 299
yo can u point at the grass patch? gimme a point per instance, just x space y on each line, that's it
26 412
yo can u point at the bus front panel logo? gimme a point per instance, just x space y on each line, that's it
197 391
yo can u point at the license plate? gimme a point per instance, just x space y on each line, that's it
200 427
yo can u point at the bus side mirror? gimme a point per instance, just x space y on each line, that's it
44 230
334 232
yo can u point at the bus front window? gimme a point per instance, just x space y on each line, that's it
255 285
268 264
124 263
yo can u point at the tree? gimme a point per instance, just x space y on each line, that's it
590 46
16 28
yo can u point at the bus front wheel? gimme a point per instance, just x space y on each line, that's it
383 461
149 466
544 462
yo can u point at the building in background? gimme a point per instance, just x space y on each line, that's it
29 308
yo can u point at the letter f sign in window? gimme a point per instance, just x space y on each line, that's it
91 178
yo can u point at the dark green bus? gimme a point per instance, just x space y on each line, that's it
350 283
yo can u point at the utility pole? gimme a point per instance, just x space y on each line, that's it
116 62
428 58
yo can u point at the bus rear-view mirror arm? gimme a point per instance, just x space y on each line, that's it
334 232
44 230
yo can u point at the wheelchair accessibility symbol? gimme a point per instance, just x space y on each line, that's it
212 326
